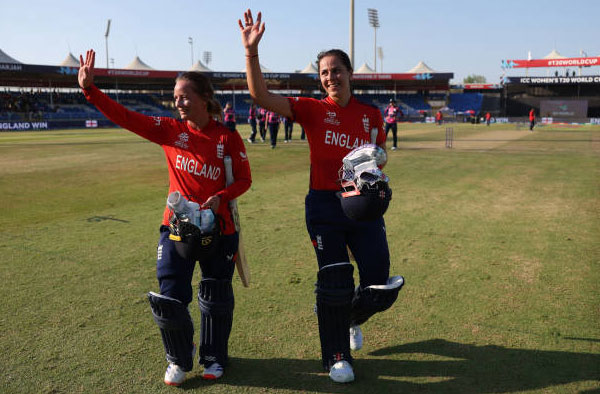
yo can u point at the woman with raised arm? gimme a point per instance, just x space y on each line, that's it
196 225
335 126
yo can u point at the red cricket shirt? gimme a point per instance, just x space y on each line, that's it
194 157
332 132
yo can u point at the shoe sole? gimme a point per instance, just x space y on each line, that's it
346 380
172 383
211 377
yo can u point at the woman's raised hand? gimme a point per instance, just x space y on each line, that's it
86 69
251 32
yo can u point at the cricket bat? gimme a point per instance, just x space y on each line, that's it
241 263
374 132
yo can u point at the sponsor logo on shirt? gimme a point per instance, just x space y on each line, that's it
192 166
332 118
183 140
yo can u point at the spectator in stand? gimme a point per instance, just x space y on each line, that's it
390 115
531 119
252 120
439 117
273 120
288 126
488 118
229 116
262 123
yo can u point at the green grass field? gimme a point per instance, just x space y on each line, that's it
498 239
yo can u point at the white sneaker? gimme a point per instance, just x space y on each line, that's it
213 371
356 338
394 148
341 372
174 375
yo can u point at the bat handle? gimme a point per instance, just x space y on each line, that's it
374 132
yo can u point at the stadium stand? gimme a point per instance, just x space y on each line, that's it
461 102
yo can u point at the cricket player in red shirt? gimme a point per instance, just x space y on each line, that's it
334 127
531 119
194 148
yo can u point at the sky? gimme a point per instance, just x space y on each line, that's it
462 36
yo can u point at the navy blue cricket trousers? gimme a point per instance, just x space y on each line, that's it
175 273
330 231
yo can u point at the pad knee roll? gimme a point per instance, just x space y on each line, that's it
216 302
372 299
176 329
334 292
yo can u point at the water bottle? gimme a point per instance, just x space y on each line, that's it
207 220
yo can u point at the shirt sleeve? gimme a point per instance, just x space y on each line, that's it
152 128
241 168
302 110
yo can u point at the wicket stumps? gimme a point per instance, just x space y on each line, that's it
449 137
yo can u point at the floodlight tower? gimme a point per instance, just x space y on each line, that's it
106 40
374 21
207 57
351 49
191 42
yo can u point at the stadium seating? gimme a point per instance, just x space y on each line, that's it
462 102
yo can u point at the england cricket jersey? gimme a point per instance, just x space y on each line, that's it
194 157
332 132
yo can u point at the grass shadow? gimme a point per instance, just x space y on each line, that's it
465 369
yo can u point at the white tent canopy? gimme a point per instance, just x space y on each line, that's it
310 69
365 69
4 58
262 69
421 68
70 61
138 64
554 55
198 66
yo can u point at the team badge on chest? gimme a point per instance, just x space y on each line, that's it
365 121
220 150
183 140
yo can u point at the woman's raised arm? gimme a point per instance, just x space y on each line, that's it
252 32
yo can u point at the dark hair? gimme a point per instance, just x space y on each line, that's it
202 86
339 54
